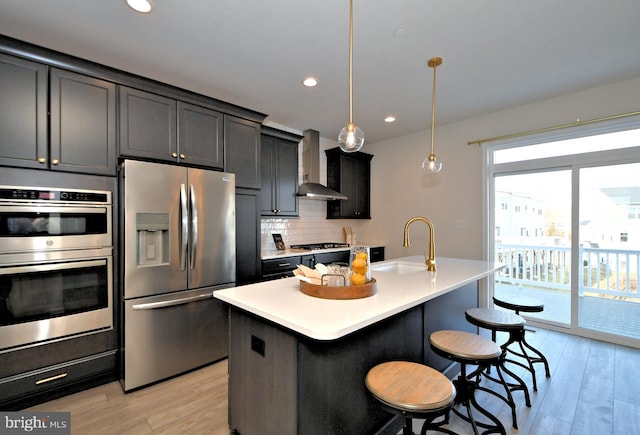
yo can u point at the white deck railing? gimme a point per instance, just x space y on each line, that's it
611 272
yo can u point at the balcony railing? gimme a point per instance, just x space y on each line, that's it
604 272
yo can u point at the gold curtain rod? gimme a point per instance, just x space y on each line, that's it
557 127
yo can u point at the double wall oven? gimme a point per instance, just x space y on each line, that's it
56 274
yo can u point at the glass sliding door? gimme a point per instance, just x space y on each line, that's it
532 217
609 226
564 217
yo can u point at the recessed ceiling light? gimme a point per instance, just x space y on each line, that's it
399 33
143 6
390 118
310 82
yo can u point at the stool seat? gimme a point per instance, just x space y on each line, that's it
519 303
413 390
490 319
465 345
410 386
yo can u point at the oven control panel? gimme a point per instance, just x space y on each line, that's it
9 193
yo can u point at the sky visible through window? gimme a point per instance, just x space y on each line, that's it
600 142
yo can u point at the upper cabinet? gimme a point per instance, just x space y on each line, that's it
149 126
279 172
242 151
349 174
82 121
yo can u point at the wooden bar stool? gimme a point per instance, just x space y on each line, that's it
496 320
413 390
466 348
526 305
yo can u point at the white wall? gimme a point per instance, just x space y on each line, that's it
400 190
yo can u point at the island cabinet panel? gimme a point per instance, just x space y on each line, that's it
262 380
285 383
447 312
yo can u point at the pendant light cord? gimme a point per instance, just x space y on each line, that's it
351 62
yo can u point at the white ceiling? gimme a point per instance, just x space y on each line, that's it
497 53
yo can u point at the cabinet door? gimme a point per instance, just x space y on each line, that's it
348 177
147 125
287 178
23 113
247 236
268 176
200 139
83 124
242 151
362 187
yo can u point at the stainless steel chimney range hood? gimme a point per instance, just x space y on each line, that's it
311 187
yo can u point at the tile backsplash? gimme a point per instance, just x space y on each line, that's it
311 227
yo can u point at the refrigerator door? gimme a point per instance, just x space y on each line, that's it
212 247
171 334
156 228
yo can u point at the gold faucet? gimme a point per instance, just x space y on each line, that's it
430 261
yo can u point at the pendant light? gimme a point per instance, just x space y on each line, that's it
431 165
351 137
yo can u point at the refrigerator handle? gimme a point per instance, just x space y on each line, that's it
184 227
194 227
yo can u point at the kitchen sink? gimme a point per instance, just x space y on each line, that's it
400 267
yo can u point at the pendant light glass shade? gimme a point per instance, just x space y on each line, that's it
431 164
351 137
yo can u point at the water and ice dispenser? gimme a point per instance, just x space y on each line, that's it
153 238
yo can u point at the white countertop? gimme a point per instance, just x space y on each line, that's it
282 302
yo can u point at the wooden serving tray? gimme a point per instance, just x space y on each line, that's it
339 292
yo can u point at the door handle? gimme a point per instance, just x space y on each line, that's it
194 226
184 227
164 304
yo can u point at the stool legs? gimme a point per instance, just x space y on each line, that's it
466 389
518 337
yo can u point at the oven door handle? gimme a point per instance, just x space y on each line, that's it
164 304
36 208
48 267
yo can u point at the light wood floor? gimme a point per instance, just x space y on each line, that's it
593 390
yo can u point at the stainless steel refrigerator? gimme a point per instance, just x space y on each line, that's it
179 247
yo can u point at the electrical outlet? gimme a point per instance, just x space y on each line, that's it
257 345
459 224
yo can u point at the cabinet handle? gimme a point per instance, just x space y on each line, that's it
182 156
284 264
42 160
52 378
174 154
55 161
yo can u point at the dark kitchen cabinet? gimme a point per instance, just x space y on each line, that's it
83 124
149 126
279 172
23 112
282 267
242 151
82 120
349 174
247 236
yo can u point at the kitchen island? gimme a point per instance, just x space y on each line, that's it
297 363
